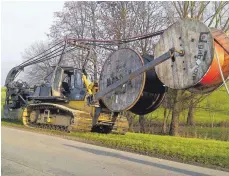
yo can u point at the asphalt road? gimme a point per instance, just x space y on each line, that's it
26 153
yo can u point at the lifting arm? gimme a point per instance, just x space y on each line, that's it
12 74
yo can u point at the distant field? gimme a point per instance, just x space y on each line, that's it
218 100
3 95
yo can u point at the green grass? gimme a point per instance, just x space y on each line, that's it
3 96
202 117
218 133
207 152
12 122
219 99
185 149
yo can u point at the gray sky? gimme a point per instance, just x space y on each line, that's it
22 24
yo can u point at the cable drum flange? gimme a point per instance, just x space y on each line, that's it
195 39
118 65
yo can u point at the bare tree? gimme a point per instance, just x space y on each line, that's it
214 14
78 19
35 74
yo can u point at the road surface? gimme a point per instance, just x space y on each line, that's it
27 153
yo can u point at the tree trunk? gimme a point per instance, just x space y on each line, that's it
174 123
131 124
190 118
175 115
142 123
164 126
130 120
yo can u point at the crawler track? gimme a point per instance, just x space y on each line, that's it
74 120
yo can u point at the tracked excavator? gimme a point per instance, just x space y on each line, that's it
183 58
64 103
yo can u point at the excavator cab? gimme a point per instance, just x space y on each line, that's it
67 82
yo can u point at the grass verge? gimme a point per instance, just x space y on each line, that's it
209 153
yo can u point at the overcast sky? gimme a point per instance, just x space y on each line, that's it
22 24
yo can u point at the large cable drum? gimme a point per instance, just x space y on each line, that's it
141 94
213 78
195 39
198 70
